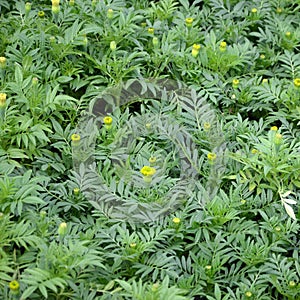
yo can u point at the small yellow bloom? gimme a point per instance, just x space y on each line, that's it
148 171
151 30
223 46
55 2
75 137
279 10
41 14
235 83
14 285
62 228
248 294
243 201
132 245
76 191
2 62
297 82
206 126
2 99
208 267
274 128
254 10
211 156
278 139
254 151
113 46
148 125
288 34
107 120
262 56
110 13
189 22
277 228
55 9
152 159
176 220
155 41
195 50
265 80
292 284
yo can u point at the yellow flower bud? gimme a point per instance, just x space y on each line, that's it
155 41
62 229
2 62
110 13
2 99
235 83
274 128
297 82
41 14
254 10
113 46
76 191
206 126
248 294
189 22
195 50
176 220
27 7
14 287
151 30
211 156
72 2
223 46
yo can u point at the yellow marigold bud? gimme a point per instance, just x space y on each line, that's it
155 287
262 56
265 80
206 126
189 22
14 287
292 284
288 34
148 125
34 81
148 171
211 156
151 30
41 14
208 267
277 228
176 220
274 128
223 46
55 2
107 120
254 151
2 99
195 50
254 10
43 214
279 10
143 24
27 7
278 139
155 41
55 9
235 83
2 62
72 2
152 159
62 229
243 201
110 13
132 245
248 294
76 191
297 82
75 138
113 46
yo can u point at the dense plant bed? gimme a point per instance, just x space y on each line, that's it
149 149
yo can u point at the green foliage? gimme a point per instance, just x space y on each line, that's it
219 123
